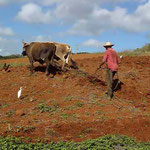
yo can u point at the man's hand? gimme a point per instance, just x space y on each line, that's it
103 62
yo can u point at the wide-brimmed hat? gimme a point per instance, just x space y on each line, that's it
107 44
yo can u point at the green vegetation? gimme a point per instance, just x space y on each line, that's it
17 64
79 73
25 129
10 113
11 56
68 98
64 116
1 65
83 53
79 104
145 50
45 108
98 112
104 143
3 105
50 132
87 113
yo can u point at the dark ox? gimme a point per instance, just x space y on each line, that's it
40 52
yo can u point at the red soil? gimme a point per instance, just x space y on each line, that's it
81 111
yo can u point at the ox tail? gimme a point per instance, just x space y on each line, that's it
74 64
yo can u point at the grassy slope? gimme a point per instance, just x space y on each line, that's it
145 50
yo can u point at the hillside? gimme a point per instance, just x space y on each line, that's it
143 51
72 106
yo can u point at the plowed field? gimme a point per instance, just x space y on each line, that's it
72 106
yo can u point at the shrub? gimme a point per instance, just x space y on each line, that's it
108 142
45 108
11 56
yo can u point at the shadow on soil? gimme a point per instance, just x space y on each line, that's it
117 85
90 78
52 70
95 80
56 69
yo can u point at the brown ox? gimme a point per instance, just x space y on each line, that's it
41 52
63 52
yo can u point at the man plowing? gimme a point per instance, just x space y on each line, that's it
112 61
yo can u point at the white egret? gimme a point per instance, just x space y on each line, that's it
19 92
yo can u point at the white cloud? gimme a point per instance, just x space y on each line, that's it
87 18
8 46
72 10
138 21
100 20
69 2
7 2
33 13
49 2
92 43
41 38
121 1
6 31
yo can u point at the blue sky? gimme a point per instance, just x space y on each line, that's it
85 23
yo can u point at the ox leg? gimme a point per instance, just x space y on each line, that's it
31 67
47 66
67 59
52 60
64 62
63 65
47 69
48 63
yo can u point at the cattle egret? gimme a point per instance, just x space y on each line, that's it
121 57
19 92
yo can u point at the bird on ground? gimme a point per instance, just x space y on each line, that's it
19 93
121 56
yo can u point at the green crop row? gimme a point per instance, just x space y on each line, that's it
108 142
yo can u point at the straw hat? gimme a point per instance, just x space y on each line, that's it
108 44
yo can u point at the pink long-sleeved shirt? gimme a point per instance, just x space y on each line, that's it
112 59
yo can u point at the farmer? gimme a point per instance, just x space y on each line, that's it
112 61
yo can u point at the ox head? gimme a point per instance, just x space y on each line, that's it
69 48
25 45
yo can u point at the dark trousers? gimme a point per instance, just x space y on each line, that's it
109 78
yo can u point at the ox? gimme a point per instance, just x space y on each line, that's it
64 52
41 52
